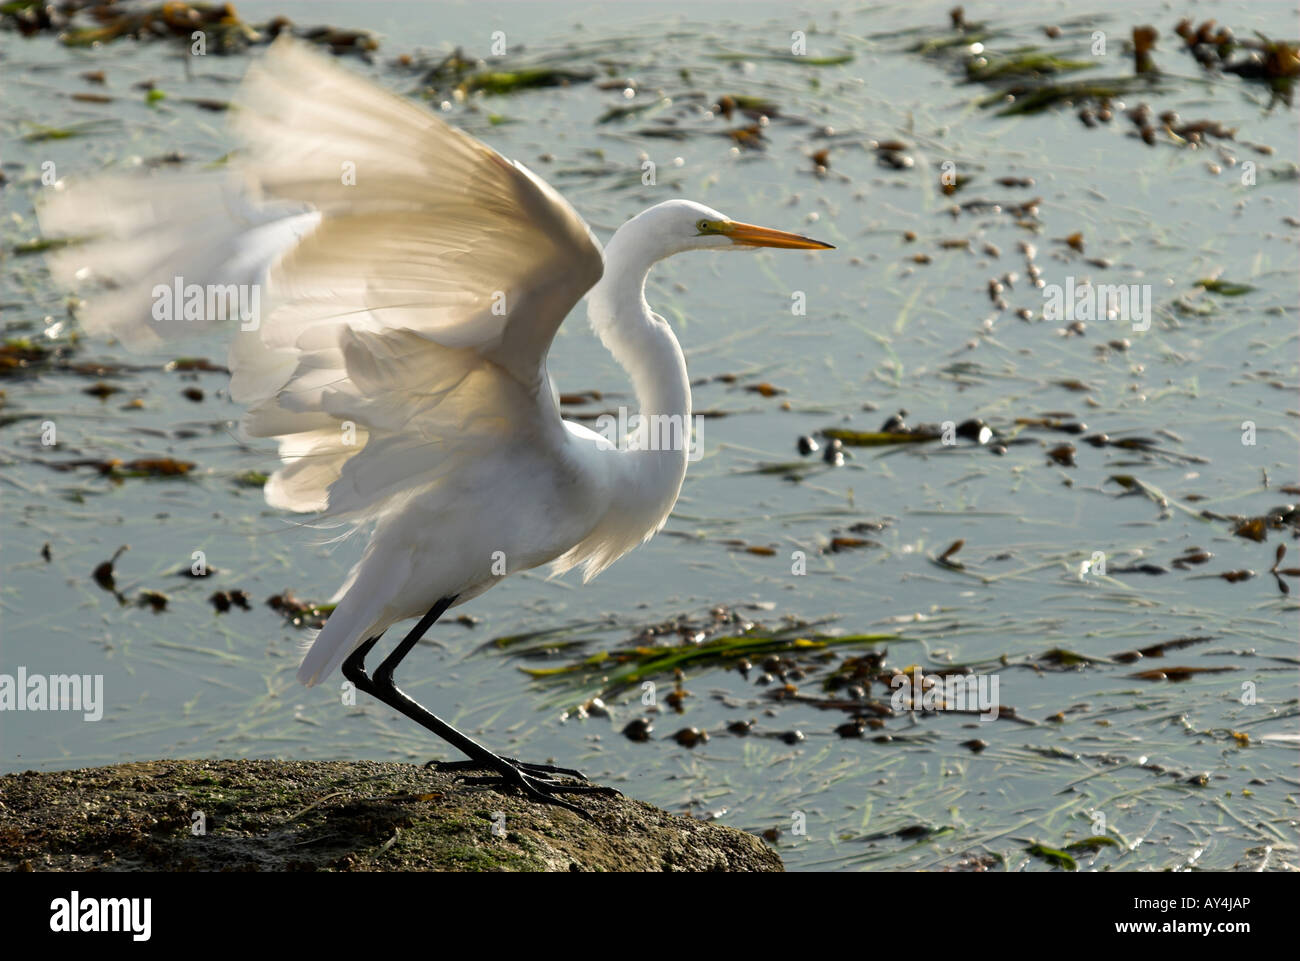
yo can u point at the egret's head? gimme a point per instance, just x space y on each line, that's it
681 225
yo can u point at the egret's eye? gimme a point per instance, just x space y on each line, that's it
702 226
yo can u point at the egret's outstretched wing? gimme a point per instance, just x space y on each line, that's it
424 279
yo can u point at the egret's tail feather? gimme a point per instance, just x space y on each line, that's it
340 636
362 611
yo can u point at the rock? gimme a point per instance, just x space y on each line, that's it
340 816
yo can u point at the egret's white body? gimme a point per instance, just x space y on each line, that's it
401 398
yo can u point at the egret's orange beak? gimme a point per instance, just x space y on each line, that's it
749 235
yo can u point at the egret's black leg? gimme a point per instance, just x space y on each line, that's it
531 779
354 668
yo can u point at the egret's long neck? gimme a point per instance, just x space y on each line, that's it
642 344
645 347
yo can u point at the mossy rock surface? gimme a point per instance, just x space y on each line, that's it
336 816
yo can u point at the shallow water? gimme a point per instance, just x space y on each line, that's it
881 333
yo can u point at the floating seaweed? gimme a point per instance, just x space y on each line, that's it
1029 63
1053 856
1224 288
297 612
461 75
833 60
619 667
1181 673
1158 650
91 23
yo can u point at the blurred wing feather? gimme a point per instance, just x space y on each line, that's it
422 307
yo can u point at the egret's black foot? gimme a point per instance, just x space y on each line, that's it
537 782
543 769
534 786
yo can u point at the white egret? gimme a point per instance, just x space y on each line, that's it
415 280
